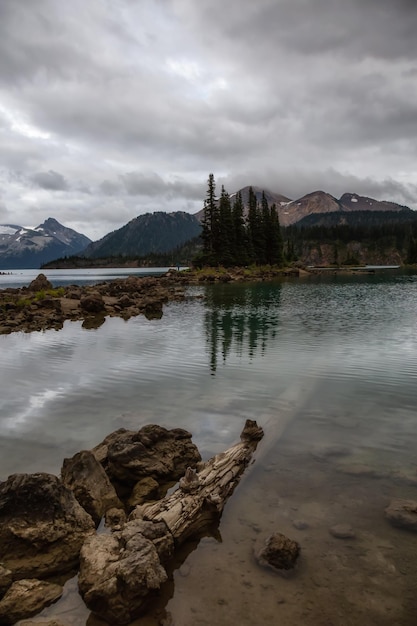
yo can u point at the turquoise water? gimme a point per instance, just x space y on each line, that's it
328 366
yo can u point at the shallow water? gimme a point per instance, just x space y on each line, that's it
327 366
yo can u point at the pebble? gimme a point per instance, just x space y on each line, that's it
300 524
342 531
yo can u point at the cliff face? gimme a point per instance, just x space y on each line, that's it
351 253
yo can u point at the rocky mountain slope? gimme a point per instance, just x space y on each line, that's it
160 232
320 202
22 247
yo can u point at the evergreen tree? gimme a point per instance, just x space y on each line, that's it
268 240
253 227
210 221
275 243
412 251
226 244
240 239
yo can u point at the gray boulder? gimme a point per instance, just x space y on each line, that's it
40 283
86 478
121 572
42 526
153 451
92 303
27 597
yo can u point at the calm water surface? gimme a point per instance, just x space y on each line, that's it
327 366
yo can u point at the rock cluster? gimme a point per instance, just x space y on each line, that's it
46 521
39 306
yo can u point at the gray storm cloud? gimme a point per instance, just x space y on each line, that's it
50 180
109 110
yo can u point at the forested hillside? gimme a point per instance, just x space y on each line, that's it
150 233
353 238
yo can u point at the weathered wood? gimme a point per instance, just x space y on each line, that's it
202 495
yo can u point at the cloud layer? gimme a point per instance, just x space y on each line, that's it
111 109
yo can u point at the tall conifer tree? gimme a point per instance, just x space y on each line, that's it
226 233
265 252
252 225
240 233
276 248
210 219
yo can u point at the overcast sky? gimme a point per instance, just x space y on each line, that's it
112 108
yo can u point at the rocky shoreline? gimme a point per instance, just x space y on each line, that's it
40 306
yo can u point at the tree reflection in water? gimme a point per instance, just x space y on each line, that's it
240 319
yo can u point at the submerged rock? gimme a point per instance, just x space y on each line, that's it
403 513
42 526
279 552
27 597
300 524
342 531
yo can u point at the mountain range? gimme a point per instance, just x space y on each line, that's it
318 202
22 247
161 232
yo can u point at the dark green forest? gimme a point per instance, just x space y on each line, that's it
377 231
231 240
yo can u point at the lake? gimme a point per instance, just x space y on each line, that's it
327 365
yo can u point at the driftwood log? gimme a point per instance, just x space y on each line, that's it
202 495
121 571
